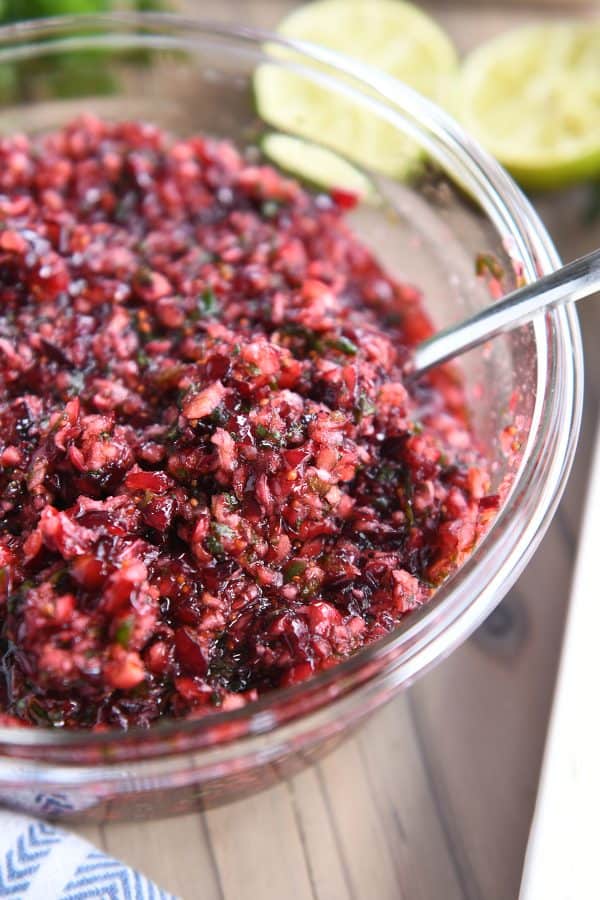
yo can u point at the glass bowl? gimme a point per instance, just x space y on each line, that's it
191 76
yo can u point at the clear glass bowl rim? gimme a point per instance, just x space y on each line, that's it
470 595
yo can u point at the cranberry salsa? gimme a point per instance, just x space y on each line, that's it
213 479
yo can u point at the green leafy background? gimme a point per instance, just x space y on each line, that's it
13 10
70 74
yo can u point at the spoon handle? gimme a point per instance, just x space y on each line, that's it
577 280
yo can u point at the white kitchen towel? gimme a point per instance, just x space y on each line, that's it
39 861
562 854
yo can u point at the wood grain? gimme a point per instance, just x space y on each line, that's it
432 799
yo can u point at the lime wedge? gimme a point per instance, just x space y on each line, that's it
317 165
532 98
392 35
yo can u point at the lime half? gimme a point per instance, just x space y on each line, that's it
532 98
389 34
317 165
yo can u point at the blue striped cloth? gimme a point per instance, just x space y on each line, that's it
39 861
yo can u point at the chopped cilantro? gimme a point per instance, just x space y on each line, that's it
219 415
270 208
267 436
124 632
76 383
143 360
213 545
208 305
365 407
386 474
293 569
487 264
213 540
223 531
343 344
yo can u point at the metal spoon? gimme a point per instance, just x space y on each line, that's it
574 281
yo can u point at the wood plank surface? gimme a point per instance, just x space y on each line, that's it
432 799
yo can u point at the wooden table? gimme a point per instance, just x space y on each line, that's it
433 798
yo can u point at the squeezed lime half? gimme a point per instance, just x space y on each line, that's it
532 98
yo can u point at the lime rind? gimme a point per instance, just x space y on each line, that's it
317 165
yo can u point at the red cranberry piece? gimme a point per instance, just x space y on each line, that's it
159 512
88 572
50 277
13 242
190 653
343 198
157 482
296 674
124 670
322 616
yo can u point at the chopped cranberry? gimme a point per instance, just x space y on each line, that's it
189 652
296 674
345 199
214 480
124 670
205 402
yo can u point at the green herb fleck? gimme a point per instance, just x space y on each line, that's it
37 713
267 436
14 599
208 305
124 632
270 208
173 433
56 576
487 264
386 474
311 588
76 384
219 416
365 407
293 569
343 344
213 545
318 485
143 277
223 531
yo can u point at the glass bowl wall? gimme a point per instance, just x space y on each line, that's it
189 76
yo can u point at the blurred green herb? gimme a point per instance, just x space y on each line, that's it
13 10
207 305
487 264
124 632
343 345
69 74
